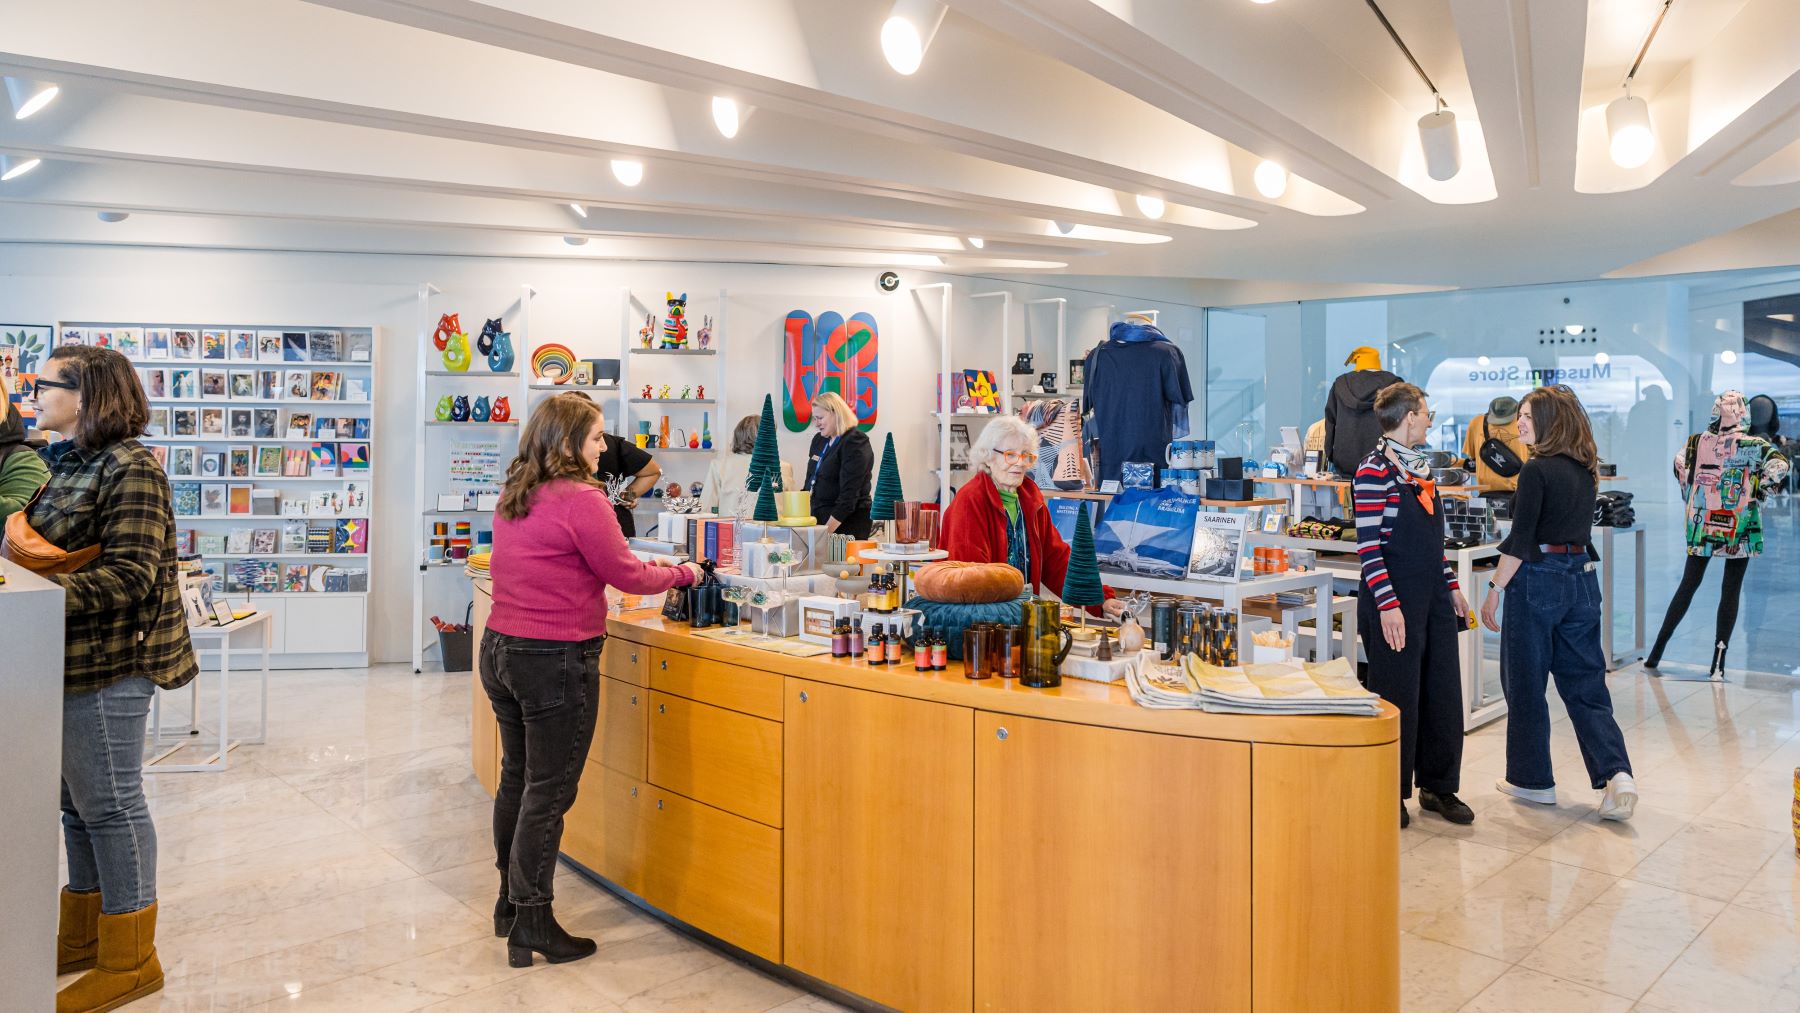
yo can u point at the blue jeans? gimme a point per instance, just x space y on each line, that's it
1552 626
106 821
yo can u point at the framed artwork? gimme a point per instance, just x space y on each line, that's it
830 353
159 422
1077 372
32 344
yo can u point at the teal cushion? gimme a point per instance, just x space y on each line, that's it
951 618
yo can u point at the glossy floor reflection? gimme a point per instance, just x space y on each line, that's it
347 865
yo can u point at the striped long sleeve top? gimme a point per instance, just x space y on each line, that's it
1375 494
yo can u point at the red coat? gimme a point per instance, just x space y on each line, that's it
974 531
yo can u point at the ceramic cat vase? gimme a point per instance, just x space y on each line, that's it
459 409
456 353
443 408
479 411
501 411
500 357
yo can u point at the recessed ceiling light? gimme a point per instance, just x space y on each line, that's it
1271 179
1259 2
628 171
1482 360
1628 124
575 240
113 216
908 31
1573 329
728 116
977 242
1064 227
1728 356
29 96
12 168
1601 358
1152 207
578 209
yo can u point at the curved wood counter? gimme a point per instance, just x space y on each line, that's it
928 842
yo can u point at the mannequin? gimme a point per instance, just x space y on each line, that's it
1351 431
1502 423
1724 472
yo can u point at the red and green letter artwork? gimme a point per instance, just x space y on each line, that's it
830 353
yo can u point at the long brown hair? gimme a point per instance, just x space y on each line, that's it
549 449
113 406
1560 425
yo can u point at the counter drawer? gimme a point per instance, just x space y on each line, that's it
738 689
718 872
716 756
626 844
584 828
625 661
624 727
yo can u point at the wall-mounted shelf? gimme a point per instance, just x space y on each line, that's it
673 400
479 374
674 351
471 424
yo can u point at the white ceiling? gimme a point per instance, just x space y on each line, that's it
464 127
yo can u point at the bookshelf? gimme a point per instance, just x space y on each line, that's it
675 369
267 434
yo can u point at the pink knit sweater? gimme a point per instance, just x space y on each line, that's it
551 567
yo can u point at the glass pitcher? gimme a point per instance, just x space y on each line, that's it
1046 643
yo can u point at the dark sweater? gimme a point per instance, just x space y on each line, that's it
1554 506
841 481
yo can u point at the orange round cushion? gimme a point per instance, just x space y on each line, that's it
969 583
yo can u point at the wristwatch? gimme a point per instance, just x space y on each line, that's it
1496 587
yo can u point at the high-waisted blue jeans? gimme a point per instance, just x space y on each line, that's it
106 820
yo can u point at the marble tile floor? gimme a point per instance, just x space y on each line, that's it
347 865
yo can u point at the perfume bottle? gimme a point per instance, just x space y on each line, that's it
840 638
922 651
940 653
876 647
896 645
856 640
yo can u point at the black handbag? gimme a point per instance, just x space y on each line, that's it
1498 457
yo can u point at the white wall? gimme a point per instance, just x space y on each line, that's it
578 304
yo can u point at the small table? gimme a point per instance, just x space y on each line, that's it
905 560
221 758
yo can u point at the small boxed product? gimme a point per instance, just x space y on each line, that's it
819 615
671 527
781 620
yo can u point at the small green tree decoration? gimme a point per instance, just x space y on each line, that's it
1081 585
887 484
765 466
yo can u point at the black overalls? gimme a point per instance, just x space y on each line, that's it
1425 680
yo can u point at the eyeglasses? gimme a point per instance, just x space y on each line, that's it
1430 417
38 385
1015 456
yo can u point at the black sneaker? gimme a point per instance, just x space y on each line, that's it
1405 820
1448 806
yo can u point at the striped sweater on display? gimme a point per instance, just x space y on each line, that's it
1375 494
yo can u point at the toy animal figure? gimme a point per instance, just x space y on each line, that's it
704 337
700 392
501 411
456 353
447 325
459 409
485 343
443 408
686 393
675 329
646 395
479 411
663 391
647 333
500 356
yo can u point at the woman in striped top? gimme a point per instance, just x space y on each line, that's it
1409 606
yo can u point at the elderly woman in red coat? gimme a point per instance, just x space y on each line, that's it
999 516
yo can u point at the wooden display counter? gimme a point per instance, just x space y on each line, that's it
932 843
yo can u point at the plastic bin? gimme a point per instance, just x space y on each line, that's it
458 649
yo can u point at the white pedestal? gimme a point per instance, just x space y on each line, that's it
31 683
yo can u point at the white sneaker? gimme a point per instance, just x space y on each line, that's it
1542 796
1619 799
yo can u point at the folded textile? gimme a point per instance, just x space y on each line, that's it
1289 687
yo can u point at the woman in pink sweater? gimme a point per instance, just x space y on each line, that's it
557 548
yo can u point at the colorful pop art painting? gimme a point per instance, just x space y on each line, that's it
828 354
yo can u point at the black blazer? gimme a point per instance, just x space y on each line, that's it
840 482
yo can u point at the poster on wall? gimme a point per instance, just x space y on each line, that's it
23 348
830 353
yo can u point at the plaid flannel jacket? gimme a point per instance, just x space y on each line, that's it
124 613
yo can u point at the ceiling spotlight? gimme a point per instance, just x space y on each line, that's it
1064 227
113 216
1482 360
12 168
1601 358
628 171
29 96
1271 179
1628 124
1728 356
908 31
1443 151
728 116
977 242
578 209
575 240
1152 207
1259 2
1573 329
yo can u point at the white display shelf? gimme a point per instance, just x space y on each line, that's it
285 555
480 374
187 518
608 387
472 424
293 594
674 400
246 402
456 513
254 480
247 440
142 363
674 351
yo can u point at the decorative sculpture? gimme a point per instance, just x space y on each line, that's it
500 354
459 409
687 393
456 353
647 333
479 411
662 393
704 337
443 408
675 328
646 395
700 392
705 431
485 343
501 412
447 325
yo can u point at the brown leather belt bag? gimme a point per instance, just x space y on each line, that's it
24 546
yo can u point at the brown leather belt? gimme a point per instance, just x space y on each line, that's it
1563 550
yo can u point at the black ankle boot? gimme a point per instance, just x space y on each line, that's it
1717 672
535 929
504 911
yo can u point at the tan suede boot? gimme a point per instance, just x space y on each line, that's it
77 931
125 968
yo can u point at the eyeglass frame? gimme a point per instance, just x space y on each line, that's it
39 383
1029 457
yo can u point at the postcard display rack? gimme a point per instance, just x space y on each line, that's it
666 373
267 434
459 465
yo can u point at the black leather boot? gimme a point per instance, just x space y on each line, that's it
535 930
1717 672
504 911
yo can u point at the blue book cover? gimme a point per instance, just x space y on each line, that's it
1148 531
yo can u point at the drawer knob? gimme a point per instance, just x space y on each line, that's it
803 696
634 657
634 793
665 666
634 699
1000 733
662 708
659 803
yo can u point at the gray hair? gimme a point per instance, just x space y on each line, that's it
1000 430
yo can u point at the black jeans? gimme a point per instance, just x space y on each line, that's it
546 696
